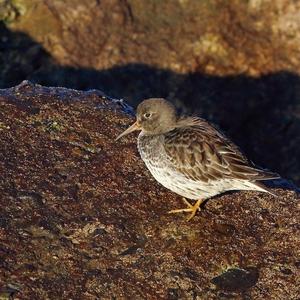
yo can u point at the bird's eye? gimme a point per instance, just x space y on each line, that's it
147 115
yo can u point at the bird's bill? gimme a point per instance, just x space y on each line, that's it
135 126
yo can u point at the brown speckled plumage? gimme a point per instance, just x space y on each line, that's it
190 157
199 150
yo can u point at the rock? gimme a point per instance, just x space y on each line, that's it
211 37
84 219
236 279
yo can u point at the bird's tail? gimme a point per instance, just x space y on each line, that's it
258 186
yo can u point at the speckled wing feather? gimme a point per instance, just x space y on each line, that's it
201 153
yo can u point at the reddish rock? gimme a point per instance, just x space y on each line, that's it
81 217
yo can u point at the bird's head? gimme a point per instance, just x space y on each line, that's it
154 116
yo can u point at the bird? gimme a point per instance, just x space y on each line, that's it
191 157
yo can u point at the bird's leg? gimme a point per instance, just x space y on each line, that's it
191 208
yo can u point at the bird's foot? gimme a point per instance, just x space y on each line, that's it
191 208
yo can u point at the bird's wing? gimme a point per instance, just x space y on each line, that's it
202 153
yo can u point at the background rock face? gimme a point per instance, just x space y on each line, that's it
235 62
82 218
212 37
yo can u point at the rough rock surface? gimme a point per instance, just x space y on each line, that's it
215 37
81 217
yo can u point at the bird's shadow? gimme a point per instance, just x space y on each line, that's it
260 114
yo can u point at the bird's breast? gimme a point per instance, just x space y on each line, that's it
153 153
151 149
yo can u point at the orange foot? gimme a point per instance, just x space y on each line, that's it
191 208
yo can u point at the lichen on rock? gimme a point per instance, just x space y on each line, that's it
85 224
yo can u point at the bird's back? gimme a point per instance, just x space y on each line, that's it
198 146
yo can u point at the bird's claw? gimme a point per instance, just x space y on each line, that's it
191 208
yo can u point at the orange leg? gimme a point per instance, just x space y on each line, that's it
190 208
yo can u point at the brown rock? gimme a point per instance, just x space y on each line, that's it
81 218
214 37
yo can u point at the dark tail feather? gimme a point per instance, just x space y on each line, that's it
266 175
263 188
